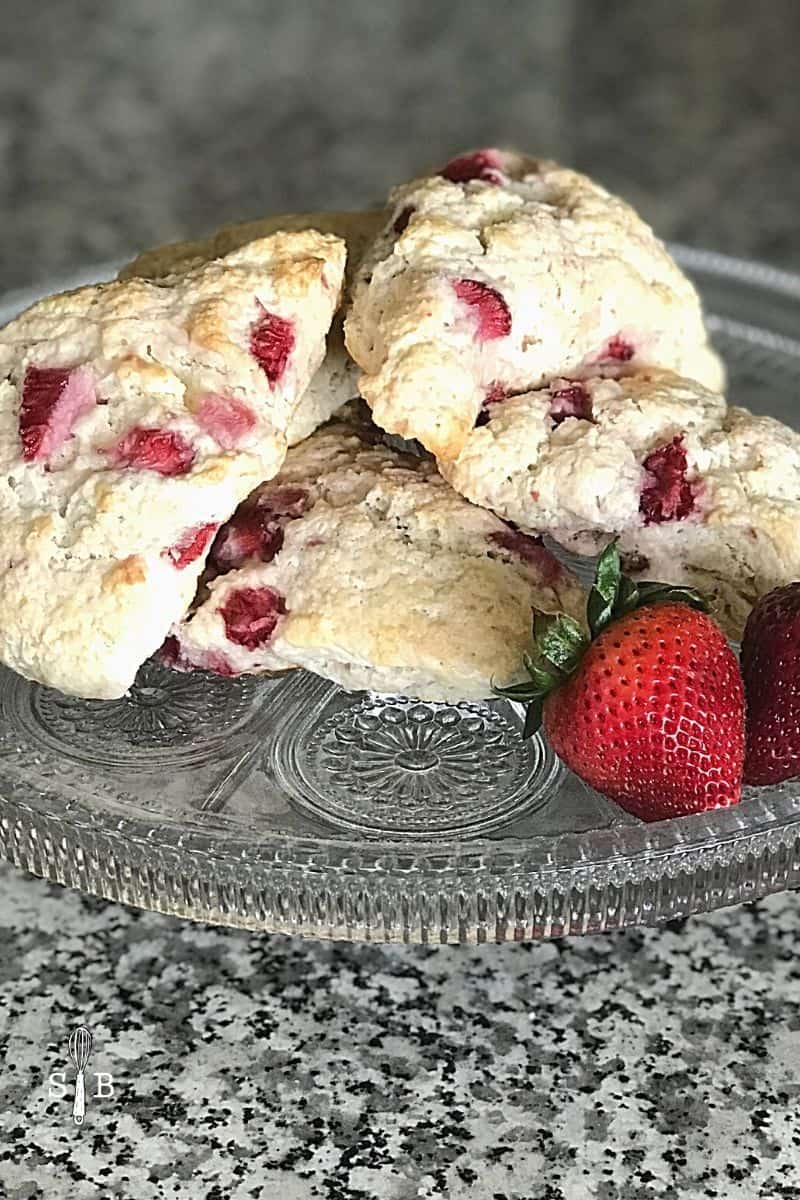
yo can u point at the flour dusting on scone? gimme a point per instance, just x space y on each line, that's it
134 416
360 563
577 459
503 273
336 381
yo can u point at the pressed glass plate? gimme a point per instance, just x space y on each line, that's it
288 804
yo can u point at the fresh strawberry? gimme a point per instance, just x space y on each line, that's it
651 710
771 670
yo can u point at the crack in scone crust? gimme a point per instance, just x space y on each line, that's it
134 416
509 275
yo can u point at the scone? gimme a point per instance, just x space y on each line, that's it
577 459
359 563
502 273
741 537
696 492
357 229
134 416
336 381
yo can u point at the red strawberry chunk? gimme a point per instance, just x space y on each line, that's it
172 655
161 450
272 340
224 418
484 165
667 494
245 536
190 545
618 349
283 500
217 663
251 615
256 528
53 400
488 306
529 549
495 395
169 653
570 401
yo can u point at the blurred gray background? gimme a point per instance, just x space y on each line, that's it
127 122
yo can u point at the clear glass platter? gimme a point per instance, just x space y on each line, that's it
287 804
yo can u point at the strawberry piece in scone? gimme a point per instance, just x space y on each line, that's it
505 271
336 381
135 416
587 459
741 538
698 494
361 564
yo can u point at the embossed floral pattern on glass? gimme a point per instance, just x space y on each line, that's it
406 766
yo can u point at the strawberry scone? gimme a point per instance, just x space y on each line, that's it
336 381
134 416
698 493
576 459
504 272
359 563
727 520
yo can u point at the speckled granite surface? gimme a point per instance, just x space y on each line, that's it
650 1064
653 1064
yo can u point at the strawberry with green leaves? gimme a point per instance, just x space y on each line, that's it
649 709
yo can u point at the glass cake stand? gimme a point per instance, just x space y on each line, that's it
288 804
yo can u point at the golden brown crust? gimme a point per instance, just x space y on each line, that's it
126 573
356 228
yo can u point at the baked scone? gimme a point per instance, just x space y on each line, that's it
357 229
502 273
359 563
696 492
134 416
336 381
741 538
572 459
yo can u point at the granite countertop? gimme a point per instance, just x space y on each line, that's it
649 1064
657 1063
